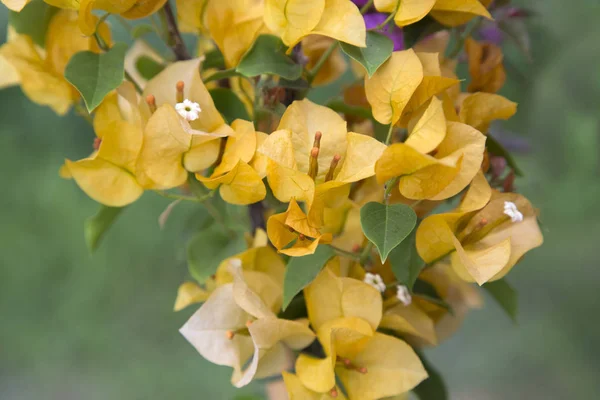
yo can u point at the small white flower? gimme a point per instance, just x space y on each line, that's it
235 263
375 281
512 211
188 110
403 295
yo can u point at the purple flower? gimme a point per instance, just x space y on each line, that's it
360 3
391 31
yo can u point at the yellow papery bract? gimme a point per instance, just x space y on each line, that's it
189 293
15 5
269 335
159 165
241 185
190 15
361 154
345 337
485 66
233 25
329 297
39 83
304 119
470 144
313 47
163 88
458 12
410 320
259 259
480 265
435 237
391 87
479 109
207 330
342 21
139 50
408 11
316 374
8 74
41 73
427 127
105 182
297 391
293 19
392 365
143 8
241 146
108 175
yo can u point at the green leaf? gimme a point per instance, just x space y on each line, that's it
33 21
379 49
387 225
426 291
405 261
432 388
225 74
505 295
339 105
496 148
96 226
301 271
229 105
267 56
148 67
95 75
207 249
213 59
140 30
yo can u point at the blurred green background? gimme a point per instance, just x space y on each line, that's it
76 326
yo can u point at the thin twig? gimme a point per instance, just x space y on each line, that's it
469 29
194 199
178 46
342 252
366 7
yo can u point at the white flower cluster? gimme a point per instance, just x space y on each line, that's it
403 295
375 281
512 211
188 110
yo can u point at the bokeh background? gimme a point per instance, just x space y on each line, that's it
77 326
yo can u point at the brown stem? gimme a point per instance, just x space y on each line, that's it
177 45
256 212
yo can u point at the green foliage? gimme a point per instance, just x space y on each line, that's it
148 67
213 59
267 56
301 271
225 74
95 75
405 261
37 11
229 104
97 225
208 248
386 226
379 49
505 295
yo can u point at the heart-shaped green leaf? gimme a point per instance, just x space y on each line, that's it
405 261
96 226
267 56
301 271
379 49
148 67
386 225
207 249
95 75
505 295
229 104
432 388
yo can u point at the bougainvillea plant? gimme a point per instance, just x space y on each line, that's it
348 227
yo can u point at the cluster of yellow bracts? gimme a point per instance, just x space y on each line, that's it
324 168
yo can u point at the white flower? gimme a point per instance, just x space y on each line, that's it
403 295
188 110
375 281
512 211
